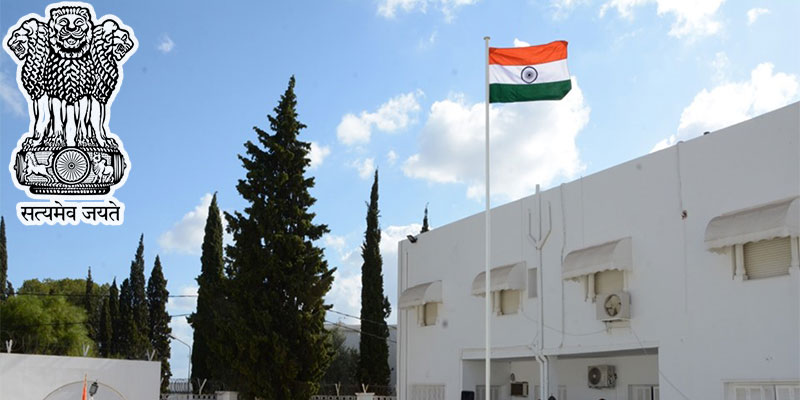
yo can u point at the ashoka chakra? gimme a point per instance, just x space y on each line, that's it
71 165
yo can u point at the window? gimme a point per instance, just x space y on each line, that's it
532 283
480 392
608 282
427 392
509 302
763 391
767 258
430 314
643 392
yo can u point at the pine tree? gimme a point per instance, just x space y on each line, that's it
114 347
209 299
127 325
373 368
278 276
159 329
425 221
105 331
140 344
5 290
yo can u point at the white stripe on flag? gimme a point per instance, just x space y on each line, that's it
512 74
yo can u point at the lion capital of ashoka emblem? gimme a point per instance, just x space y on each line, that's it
69 68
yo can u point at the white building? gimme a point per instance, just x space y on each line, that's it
39 377
697 242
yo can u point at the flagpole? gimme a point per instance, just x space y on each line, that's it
487 287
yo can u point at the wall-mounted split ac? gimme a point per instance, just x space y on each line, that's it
614 306
602 376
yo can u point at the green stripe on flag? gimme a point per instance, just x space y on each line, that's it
506 93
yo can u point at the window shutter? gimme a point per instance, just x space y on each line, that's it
509 301
787 392
431 313
480 392
767 258
427 392
608 282
532 283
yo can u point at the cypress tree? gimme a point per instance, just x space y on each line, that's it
278 276
127 326
159 329
140 333
105 331
209 299
88 305
114 348
425 221
5 290
373 367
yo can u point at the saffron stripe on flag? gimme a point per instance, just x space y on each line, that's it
531 55
505 93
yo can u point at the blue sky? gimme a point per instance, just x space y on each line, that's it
396 85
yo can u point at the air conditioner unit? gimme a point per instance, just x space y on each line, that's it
602 376
519 389
614 306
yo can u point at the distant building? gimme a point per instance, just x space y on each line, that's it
675 275
352 337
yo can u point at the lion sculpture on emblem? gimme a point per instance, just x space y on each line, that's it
70 67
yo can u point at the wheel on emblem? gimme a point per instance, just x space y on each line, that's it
71 165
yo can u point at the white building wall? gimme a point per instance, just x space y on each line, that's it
34 377
709 328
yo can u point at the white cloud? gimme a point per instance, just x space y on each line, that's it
11 95
391 157
392 116
733 102
562 8
520 43
317 155
720 66
754 13
692 17
389 8
334 241
531 143
166 44
345 294
364 167
186 236
393 234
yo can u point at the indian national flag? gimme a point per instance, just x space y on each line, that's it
528 73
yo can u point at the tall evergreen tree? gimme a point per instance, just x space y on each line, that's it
159 329
89 305
209 299
373 367
140 343
105 330
278 276
127 325
4 289
114 344
425 227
